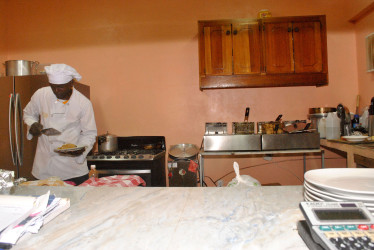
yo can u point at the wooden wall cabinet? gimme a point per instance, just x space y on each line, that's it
282 51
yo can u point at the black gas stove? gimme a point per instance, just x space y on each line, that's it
136 155
128 155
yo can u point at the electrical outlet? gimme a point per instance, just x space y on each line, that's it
220 183
268 157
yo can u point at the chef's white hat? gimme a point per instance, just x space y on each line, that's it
61 73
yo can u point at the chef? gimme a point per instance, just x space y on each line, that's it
62 107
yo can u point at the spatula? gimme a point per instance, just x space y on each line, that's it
50 131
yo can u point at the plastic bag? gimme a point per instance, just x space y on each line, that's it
242 180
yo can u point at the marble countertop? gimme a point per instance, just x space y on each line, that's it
171 218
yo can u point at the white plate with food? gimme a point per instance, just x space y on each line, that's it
69 147
355 138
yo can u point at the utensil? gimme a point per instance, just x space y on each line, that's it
355 138
182 151
246 114
107 143
50 131
20 67
276 127
307 126
321 110
214 128
294 126
65 150
357 182
243 127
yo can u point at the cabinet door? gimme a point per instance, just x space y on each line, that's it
307 46
218 50
246 48
278 47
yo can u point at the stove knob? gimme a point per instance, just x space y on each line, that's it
102 156
109 157
141 156
117 156
125 157
133 157
94 157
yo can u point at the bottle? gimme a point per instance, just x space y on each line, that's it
355 121
332 126
371 118
93 174
321 128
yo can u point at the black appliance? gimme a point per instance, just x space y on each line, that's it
136 155
180 174
183 165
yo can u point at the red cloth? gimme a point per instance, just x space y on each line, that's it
116 181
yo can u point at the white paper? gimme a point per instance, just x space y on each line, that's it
13 209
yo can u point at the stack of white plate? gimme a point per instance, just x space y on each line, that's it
340 184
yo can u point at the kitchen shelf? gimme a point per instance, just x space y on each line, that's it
364 150
214 154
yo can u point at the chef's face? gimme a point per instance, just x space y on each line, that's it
62 91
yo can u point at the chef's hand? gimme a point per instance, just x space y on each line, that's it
36 129
73 153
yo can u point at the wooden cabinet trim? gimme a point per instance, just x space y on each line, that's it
256 81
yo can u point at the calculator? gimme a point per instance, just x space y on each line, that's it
336 225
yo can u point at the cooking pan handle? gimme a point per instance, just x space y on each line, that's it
246 114
307 126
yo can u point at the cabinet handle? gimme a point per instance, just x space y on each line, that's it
289 30
235 32
296 29
227 32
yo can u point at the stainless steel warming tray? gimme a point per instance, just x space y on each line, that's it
226 142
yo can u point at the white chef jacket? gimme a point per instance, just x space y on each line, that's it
75 120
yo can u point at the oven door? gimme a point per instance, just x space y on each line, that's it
145 174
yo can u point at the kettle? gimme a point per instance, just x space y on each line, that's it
107 143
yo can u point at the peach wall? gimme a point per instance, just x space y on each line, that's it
140 59
363 28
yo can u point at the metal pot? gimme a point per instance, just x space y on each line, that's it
20 67
107 143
